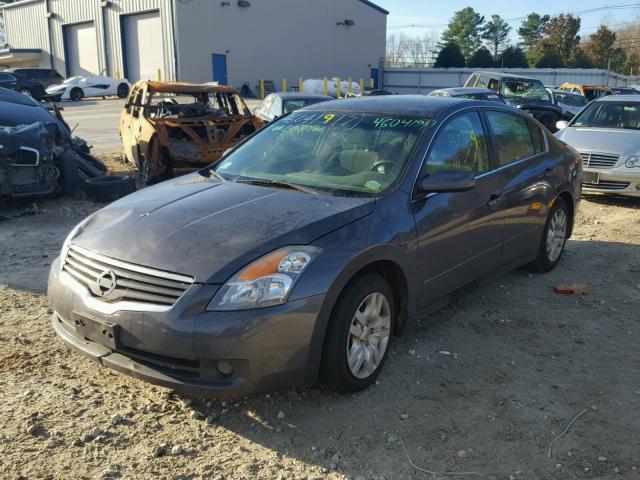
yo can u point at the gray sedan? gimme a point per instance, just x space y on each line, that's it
607 135
305 250
277 104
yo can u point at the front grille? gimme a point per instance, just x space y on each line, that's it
172 366
599 160
113 280
607 185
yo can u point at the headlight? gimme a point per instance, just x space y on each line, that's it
633 161
265 282
67 241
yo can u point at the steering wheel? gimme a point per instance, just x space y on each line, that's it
381 163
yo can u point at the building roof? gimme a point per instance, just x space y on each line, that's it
17 4
374 6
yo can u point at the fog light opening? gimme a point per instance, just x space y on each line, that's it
224 368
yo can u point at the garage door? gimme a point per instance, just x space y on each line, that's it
143 46
81 48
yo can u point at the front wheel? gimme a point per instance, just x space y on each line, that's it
554 238
358 335
76 94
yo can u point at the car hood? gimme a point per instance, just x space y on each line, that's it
603 140
210 229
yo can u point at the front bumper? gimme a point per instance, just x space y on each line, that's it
617 180
181 347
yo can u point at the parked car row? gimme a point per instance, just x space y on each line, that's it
48 84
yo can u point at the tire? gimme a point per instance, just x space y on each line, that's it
109 187
553 239
345 334
90 166
26 91
69 176
76 94
123 90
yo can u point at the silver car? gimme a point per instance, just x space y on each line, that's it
607 135
570 103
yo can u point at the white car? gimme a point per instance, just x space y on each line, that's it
79 87
606 133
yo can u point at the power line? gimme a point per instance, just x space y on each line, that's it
581 12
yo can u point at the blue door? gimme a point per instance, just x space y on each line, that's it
219 62
375 74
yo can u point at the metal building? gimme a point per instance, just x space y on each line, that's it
229 41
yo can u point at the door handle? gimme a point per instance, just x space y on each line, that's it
494 199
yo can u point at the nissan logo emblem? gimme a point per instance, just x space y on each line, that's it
106 283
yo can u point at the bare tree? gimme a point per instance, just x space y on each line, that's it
406 51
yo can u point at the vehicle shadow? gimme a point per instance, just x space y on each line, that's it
483 386
617 200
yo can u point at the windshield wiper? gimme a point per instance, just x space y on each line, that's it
276 184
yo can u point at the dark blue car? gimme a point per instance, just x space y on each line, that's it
303 251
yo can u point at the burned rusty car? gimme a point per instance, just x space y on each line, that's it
174 128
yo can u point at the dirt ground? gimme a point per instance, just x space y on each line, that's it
481 389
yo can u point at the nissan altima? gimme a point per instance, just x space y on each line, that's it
306 249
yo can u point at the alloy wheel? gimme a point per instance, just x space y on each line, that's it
556 235
368 335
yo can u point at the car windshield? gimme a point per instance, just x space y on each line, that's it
571 100
292 105
524 89
340 153
71 80
610 115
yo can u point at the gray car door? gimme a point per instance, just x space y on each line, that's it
520 148
459 234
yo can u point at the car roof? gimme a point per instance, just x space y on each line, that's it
619 98
564 92
12 96
184 87
298 96
414 105
465 90
505 75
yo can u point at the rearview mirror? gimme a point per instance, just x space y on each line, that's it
447 181
560 124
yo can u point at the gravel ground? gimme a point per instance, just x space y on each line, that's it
482 388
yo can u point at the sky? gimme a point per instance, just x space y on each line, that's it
436 14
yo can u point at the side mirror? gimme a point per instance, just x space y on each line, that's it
560 124
443 181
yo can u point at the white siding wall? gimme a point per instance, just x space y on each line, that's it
31 33
26 27
273 39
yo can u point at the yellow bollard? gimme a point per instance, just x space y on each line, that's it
349 85
284 84
159 75
300 82
326 86
371 83
117 73
361 85
338 87
261 88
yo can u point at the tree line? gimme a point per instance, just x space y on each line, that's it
545 42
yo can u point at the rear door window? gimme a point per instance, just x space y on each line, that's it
483 81
460 145
512 136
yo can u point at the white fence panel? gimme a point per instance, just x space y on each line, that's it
424 80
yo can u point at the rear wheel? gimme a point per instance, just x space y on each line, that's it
358 335
123 90
76 94
553 239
